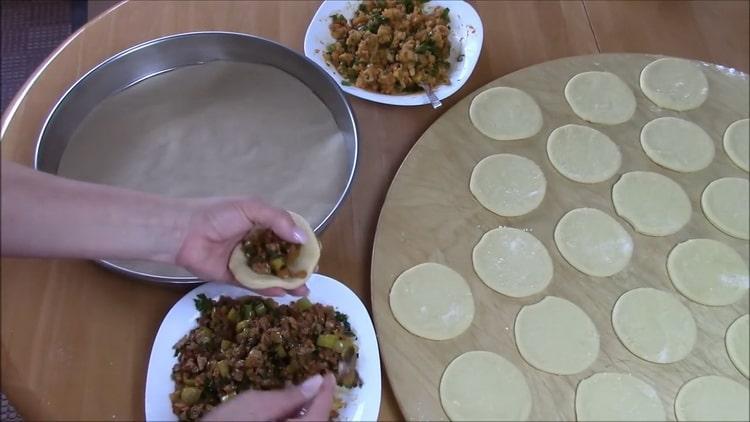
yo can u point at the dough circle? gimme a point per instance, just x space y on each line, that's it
483 386
556 336
737 143
512 262
508 185
675 84
708 272
738 344
677 144
726 204
309 254
505 114
712 398
432 301
583 154
653 204
593 242
608 396
600 97
654 325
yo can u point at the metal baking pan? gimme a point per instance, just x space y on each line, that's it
144 67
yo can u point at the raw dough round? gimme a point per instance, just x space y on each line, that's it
483 386
737 143
611 396
505 114
309 254
508 185
708 272
726 204
653 204
677 144
556 336
712 398
654 325
738 344
583 154
600 97
512 262
593 242
432 301
676 84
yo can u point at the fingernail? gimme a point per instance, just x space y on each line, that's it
299 235
311 386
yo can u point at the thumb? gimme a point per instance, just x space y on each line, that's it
320 408
267 405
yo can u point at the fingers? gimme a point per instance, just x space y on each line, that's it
300 291
276 219
320 408
271 291
267 405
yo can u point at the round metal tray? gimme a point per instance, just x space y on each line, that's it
139 63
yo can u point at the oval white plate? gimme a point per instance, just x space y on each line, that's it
466 38
361 403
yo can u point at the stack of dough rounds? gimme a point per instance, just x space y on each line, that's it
583 154
726 204
738 344
508 185
483 386
676 84
512 262
712 398
654 325
677 144
432 301
617 397
593 242
556 336
737 143
505 114
708 272
653 204
600 97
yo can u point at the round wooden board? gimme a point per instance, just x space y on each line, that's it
430 215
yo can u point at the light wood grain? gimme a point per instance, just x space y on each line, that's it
430 215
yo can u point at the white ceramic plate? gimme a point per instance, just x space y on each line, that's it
361 403
466 39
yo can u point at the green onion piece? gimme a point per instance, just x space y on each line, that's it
260 309
223 366
241 325
303 304
190 395
327 340
280 352
247 311
233 315
225 344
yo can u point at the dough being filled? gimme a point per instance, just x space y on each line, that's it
737 143
708 272
653 204
307 261
556 336
677 144
432 301
654 325
726 204
712 398
483 386
593 242
508 185
600 97
583 154
608 396
512 262
505 114
676 84
737 341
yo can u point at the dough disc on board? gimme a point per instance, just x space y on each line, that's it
725 203
712 398
505 114
737 143
677 144
738 344
610 396
556 336
676 84
478 386
600 97
583 154
432 301
508 185
653 204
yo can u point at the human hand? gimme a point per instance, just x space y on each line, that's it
216 225
315 395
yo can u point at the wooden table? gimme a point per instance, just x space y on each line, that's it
76 338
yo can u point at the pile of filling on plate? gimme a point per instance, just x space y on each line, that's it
255 343
391 46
